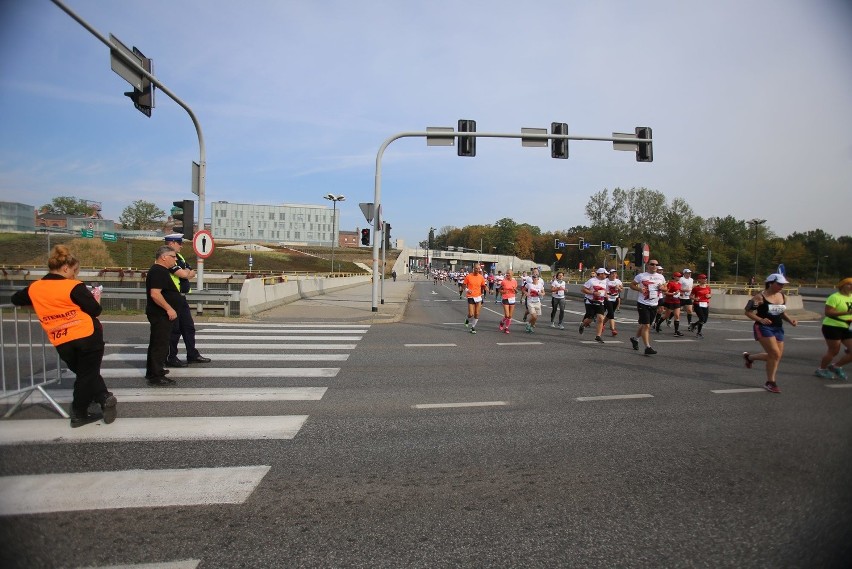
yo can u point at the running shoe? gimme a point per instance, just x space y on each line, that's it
747 358
505 330
669 322
771 387
528 330
466 322
690 327
614 332
700 335
824 373
582 327
552 325
838 371
599 339
561 327
473 330
649 351
501 326
678 333
635 343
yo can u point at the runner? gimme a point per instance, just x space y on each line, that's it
700 297
768 310
557 300
836 331
671 304
474 284
649 285
614 286
498 281
509 290
686 285
595 293
534 291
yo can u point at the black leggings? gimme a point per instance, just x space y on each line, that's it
557 304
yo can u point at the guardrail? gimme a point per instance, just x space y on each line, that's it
25 361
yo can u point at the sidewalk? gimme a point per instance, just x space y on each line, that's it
352 305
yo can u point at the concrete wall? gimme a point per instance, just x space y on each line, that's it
256 296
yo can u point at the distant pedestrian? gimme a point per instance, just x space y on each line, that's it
836 331
162 306
509 292
393 275
700 296
650 285
68 312
768 311
557 300
184 325
474 285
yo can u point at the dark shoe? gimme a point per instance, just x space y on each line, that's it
649 351
160 381
174 362
635 343
678 333
198 360
109 407
82 417
155 375
599 339
582 328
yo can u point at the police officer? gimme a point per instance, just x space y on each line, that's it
184 324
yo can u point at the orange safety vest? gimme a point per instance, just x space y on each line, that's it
62 319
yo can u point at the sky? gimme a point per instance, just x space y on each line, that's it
750 102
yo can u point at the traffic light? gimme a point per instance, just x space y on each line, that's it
580 243
144 100
365 236
387 236
467 144
638 249
559 146
184 213
645 150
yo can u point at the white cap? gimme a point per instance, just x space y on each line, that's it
174 237
777 278
601 270
687 270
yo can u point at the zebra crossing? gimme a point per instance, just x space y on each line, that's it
273 363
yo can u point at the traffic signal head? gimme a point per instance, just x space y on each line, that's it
559 146
637 253
387 235
365 236
645 150
184 214
467 144
144 100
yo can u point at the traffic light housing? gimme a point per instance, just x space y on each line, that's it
559 146
143 100
387 236
638 249
184 213
644 150
365 236
467 144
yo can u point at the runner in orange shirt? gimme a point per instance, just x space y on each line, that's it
508 292
474 283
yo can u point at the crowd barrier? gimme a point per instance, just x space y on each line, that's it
28 360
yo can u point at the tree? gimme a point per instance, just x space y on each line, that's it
142 215
68 205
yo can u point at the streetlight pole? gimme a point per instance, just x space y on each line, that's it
709 263
334 199
816 281
756 223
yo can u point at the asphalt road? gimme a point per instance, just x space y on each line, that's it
566 453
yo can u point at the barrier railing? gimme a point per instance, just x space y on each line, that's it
21 355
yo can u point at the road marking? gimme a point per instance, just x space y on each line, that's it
252 333
243 357
611 397
739 339
838 385
519 343
806 339
198 371
674 341
45 493
147 394
429 345
742 390
605 342
184 564
282 326
257 339
448 405
44 431
218 346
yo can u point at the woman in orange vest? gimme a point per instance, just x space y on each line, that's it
68 312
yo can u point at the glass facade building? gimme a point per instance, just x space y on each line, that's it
16 217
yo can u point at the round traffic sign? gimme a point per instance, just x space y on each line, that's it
646 253
202 243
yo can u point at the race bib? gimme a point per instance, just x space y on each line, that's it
776 309
703 304
477 298
511 300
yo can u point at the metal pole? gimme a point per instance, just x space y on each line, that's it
333 221
384 251
202 151
709 262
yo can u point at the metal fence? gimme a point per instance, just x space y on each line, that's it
28 360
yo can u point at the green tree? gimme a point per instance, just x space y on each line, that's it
142 215
68 205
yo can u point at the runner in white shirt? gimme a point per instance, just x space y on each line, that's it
498 280
614 286
534 292
557 299
595 294
650 286
686 284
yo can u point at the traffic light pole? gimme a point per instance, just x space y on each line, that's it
377 199
202 162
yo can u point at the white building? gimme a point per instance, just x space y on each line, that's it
292 224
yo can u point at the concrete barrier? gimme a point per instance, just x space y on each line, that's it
256 296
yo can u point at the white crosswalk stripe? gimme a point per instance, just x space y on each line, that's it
285 353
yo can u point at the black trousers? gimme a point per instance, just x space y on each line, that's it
184 326
83 356
158 344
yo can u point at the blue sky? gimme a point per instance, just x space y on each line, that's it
750 103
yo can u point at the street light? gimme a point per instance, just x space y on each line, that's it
334 199
756 223
816 281
709 261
